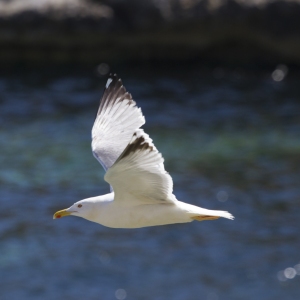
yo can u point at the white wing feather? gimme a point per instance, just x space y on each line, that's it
116 121
140 172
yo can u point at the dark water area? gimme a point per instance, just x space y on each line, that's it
230 139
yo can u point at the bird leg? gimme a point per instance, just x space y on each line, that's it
205 218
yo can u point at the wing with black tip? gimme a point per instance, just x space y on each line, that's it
117 120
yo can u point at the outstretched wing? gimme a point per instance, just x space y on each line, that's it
139 172
117 119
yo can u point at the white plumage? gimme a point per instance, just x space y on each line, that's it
141 189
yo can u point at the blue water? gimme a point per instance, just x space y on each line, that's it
230 139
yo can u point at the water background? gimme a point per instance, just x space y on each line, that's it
230 138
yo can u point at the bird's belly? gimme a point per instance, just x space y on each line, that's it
143 215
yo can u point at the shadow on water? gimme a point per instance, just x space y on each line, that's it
230 139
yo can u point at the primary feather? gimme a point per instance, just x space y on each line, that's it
116 121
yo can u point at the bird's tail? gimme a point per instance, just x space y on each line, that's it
202 214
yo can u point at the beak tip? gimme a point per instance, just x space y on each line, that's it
61 213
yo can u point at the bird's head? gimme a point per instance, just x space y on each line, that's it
80 209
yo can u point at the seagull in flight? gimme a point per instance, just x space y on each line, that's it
141 189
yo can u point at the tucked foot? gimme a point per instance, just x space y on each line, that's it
205 218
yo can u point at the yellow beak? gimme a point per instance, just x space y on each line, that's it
61 213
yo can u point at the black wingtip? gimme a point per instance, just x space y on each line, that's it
113 76
138 144
112 81
114 90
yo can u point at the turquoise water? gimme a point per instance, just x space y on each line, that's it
230 142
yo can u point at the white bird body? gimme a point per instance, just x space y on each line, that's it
134 214
142 191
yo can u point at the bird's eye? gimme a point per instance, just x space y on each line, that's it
79 205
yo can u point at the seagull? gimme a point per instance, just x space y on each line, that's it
141 189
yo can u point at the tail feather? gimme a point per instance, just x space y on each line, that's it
201 214
223 214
